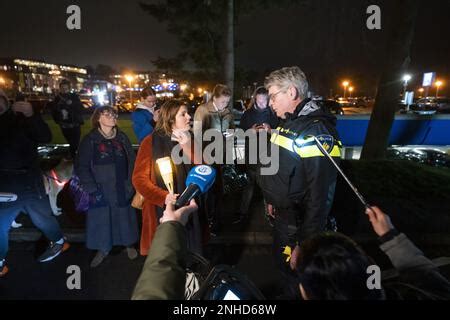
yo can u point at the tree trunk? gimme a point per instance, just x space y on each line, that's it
389 87
229 49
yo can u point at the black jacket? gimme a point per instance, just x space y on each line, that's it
67 110
305 183
255 115
19 167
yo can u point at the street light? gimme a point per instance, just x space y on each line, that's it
351 90
406 78
2 81
345 84
421 91
438 85
130 79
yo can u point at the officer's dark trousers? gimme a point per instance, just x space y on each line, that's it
72 136
284 235
247 193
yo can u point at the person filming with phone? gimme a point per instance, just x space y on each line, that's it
21 130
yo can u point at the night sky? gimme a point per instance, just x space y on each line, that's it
327 39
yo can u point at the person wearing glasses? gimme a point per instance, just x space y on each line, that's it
301 193
145 116
105 166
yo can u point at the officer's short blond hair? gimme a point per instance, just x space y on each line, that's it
286 77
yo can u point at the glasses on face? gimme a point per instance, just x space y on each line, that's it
110 115
273 96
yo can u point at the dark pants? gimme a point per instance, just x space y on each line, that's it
72 136
40 214
247 193
214 201
284 235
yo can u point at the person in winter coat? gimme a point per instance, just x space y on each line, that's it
258 117
172 130
215 115
21 130
145 116
67 111
104 166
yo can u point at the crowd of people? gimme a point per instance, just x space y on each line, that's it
299 196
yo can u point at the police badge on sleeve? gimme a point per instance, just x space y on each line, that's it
327 142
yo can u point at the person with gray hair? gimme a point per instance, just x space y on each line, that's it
301 193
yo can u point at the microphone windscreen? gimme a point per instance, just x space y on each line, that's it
203 176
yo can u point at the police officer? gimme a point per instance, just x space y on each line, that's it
301 193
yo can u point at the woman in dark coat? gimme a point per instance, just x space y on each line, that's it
105 165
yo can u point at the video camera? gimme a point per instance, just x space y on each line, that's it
226 283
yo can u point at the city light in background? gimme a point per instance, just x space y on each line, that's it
406 79
350 90
130 79
438 85
421 91
345 84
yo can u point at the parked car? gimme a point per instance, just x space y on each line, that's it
431 105
430 157
333 106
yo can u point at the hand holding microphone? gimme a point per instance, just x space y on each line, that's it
181 215
199 180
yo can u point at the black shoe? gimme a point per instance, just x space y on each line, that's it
53 251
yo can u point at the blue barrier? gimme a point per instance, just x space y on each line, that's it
406 130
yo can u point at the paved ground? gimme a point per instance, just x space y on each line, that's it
244 246
247 247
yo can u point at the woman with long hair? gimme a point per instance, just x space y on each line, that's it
172 131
